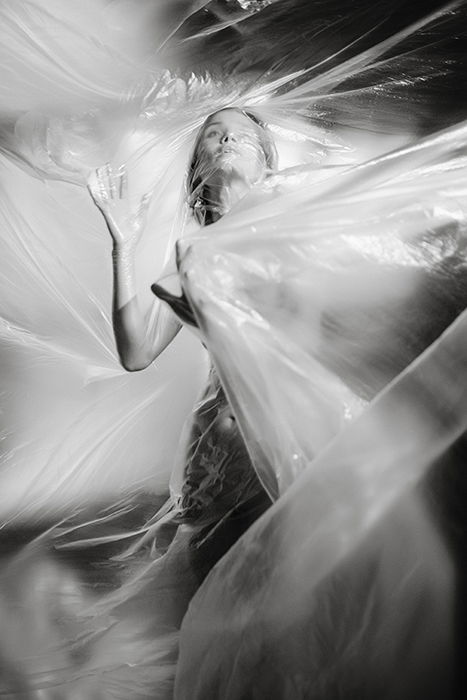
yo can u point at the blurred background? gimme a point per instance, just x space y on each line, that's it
87 449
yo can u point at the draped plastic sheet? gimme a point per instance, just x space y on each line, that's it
288 613
312 295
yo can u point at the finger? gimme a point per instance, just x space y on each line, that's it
122 182
111 184
91 182
95 189
102 189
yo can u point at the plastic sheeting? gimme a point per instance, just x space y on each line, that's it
310 309
321 297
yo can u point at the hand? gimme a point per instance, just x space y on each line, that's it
109 191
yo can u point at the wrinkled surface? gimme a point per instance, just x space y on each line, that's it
327 302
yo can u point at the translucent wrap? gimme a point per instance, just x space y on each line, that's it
273 507
334 314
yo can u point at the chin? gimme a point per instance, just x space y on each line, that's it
232 165
226 160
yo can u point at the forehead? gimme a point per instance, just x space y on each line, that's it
230 118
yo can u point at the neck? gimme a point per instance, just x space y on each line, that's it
224 192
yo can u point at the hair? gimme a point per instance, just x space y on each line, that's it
197 195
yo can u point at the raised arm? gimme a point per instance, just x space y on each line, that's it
142 329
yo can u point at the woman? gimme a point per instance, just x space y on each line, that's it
233 152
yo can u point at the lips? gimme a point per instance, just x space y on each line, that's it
227 150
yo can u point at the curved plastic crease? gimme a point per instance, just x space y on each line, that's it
268 465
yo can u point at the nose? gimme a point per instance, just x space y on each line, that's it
228 137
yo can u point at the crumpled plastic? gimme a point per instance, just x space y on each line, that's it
368 393
325 302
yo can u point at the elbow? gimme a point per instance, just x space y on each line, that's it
133 367
133 356
135 364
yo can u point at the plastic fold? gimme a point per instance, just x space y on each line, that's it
273 508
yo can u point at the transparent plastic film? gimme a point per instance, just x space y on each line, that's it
309 318
338 298
228 228
329 585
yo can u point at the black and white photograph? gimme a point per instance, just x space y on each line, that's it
233 350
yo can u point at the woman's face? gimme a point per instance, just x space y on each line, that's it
230 142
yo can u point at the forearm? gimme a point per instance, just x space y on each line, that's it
141 333
142 329
128 317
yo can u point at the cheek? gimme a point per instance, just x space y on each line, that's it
205 156
208 146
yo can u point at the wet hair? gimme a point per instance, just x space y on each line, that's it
197 194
